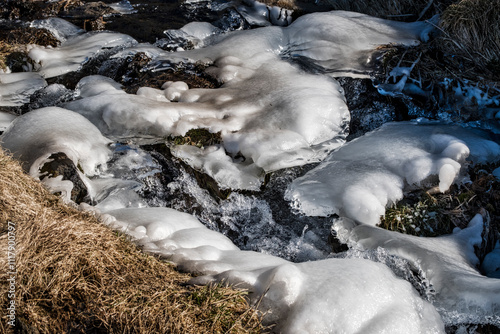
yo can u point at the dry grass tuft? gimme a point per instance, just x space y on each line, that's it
408 10
13 45
472 30
75 275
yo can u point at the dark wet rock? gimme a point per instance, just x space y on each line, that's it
204 181
473 328
60 164
369 110
131 74
50 96
18 62
231 20
127 71
489 236
149 21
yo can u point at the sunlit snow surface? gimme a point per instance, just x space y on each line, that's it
329 296
462 294
369 173
34 136
337 41
268 111
272 115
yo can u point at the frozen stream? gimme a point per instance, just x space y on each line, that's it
284 158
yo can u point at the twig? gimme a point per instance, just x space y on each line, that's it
425 9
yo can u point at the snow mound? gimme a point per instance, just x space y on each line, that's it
462 294
339 42
298 118
364 176
34 136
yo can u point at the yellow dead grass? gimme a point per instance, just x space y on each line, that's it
76 275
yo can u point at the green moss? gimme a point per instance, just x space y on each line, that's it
198 137
427 217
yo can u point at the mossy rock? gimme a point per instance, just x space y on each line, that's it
198 137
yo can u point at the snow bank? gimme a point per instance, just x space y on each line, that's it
34 136
329 296
343 42
364 176
16 88
270 114
462 294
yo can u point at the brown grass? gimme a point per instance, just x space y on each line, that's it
389 9
471 29
13 45
76 275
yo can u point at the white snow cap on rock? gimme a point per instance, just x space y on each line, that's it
364 176
72 53
36 135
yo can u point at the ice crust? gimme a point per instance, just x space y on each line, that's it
339 42
34 136
5 120
259 14
462 294
355 296
299 117
75 50
363 177
60 28
16 88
